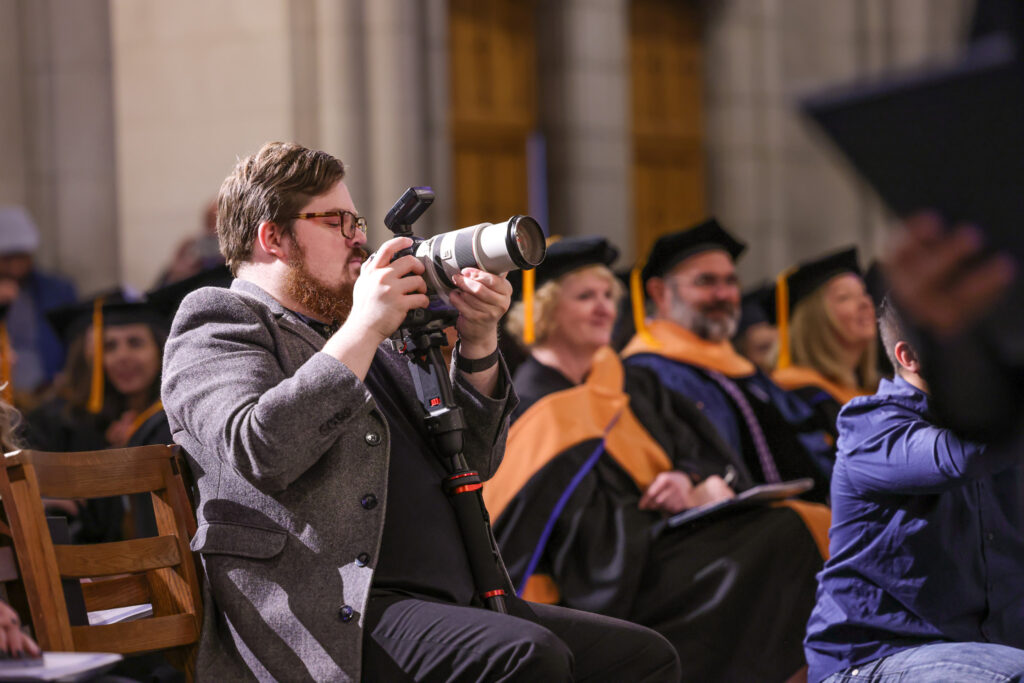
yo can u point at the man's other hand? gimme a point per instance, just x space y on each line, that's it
481 299
938 277
387 290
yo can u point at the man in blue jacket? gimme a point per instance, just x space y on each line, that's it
926 576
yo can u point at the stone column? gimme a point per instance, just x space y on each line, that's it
396 87
773 177
584 113
68 108
12 125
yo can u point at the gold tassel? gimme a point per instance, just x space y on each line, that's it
6 388
782 318
528 332
96 391
636 293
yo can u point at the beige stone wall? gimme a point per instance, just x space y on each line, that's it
772 178
120 118
198 84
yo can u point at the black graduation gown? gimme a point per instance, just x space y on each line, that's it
59 427
155 430
732 595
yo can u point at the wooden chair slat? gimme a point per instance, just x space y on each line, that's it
99 474
144 635
120 591
161 570
121 557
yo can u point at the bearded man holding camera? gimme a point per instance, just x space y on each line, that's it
331 551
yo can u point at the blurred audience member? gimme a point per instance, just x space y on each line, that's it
38 350
691 278
110 388
926 576
757 337
966 305
197 253
620 461
827 330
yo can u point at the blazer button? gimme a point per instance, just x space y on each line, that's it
362 559
345 613
372 438
369 501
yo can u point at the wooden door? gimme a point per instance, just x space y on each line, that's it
493 105
668 133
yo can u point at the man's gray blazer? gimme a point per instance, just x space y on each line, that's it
285 444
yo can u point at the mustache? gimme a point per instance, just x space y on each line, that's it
363 254
719 308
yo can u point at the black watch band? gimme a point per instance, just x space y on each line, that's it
476 364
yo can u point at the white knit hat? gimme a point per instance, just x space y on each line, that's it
18 234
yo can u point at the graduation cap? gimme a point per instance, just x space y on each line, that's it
799 282
758 306
111 309
166 299
563 256
671 250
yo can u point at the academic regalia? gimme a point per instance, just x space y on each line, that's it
695 368
732 595
826 397
61 426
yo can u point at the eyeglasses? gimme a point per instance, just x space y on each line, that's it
348 222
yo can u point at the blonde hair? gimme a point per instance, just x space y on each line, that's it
546 298
9 420
815 343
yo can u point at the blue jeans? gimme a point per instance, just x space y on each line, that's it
954 662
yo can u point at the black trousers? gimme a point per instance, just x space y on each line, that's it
410 639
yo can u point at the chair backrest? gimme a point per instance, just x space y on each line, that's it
159 570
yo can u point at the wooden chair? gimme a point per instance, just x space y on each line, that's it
158 570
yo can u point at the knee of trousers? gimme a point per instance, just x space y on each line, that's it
538 655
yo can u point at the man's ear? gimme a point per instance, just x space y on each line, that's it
907 357
656 290
272 240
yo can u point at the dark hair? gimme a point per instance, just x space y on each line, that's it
271 185
891 328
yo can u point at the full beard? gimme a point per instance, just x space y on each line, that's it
715 329
331 304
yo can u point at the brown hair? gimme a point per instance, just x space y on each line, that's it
271 185
814 340
892 330
546 298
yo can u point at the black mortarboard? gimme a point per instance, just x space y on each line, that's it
166 299
802 281
949 139
671 249
566 255
758 306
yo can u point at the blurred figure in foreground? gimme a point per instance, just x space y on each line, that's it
926 575
966 303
